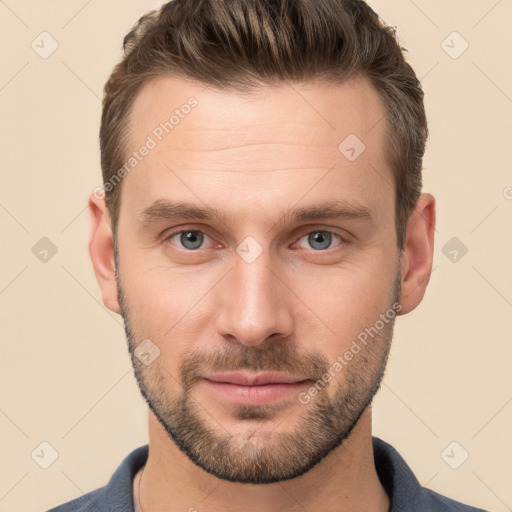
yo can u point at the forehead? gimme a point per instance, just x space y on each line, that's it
285 137
309 113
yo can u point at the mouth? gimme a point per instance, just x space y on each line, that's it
254 388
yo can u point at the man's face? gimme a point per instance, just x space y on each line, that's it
267 281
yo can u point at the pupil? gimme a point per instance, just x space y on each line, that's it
191 239
321 239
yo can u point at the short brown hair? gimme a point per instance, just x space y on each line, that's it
240 44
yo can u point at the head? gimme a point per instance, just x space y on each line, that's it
262 212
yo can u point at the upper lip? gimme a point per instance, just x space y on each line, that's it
254 379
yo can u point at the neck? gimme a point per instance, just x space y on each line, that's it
345 480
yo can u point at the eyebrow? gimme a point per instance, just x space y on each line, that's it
164 210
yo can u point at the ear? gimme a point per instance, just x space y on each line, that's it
417 256
101 250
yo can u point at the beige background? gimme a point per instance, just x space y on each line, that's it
65 373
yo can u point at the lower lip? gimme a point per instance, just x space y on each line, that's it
255 395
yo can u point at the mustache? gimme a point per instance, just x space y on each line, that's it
278 357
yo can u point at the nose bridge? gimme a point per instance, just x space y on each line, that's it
254 304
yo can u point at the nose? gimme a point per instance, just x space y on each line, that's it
254 303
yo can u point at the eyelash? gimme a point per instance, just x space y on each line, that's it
343 240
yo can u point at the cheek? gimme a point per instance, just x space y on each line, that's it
160 310
346 300
169 305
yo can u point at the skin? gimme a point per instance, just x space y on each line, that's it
254 158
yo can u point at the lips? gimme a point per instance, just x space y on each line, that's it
258 379
254 389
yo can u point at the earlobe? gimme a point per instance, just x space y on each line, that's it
101 251
416 259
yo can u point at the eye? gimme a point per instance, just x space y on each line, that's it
189 239
320 240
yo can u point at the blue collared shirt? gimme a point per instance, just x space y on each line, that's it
404 491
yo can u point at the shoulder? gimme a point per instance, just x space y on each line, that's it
436 502
405 492
94 501
117 495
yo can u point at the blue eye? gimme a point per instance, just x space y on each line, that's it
320 240
190 239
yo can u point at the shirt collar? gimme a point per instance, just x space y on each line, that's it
395 475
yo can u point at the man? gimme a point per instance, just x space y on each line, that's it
262 227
